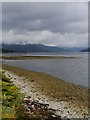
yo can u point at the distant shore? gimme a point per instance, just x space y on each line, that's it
36 57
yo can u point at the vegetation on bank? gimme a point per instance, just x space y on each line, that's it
11 98
54 88
13 106
35 57
12 101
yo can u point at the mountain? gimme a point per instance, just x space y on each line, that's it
86 50
74 49
6 51
37 48
31 48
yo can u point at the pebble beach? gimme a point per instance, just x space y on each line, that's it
36 100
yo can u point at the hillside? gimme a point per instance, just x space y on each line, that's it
6 51
30 48
86 50
37 48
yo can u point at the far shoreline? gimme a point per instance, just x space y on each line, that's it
36 57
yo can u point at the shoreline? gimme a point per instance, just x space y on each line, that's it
52 89
36 57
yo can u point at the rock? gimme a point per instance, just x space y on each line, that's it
25 99
39 107
40 101
23 86
32 80
33 106
53 116
37 94
20 75
65 107
46 102
68 111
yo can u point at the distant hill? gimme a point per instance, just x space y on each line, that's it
86 50
37 48
30 48
74 49
6 51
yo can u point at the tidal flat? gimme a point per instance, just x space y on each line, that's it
36 57
53 87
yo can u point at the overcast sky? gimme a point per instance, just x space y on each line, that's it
62 24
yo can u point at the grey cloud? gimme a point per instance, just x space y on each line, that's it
63 24
45 0
55 17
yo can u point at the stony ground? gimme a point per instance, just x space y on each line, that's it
36 100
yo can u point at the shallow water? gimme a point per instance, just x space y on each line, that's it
71 70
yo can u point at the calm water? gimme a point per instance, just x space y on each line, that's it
71 70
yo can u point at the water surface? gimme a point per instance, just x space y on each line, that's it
70 70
